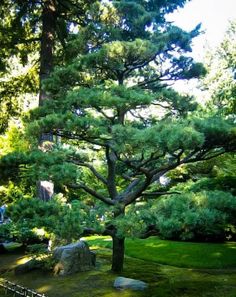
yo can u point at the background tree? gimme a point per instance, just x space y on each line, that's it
220 82
36 28
217 174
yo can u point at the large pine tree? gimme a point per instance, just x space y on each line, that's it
120 123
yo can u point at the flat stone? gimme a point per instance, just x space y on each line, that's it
122 283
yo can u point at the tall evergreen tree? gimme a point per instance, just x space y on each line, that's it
220 81
121 126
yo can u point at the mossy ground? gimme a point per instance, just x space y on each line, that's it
163 280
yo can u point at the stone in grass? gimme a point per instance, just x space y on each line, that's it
122 283
73 258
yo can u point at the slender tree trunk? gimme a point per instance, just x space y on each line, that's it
118 243
118 252
47 44
46 188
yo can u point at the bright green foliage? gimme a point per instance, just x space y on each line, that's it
13 186
17 232
18 86
11 192
18 70
13 140
39 166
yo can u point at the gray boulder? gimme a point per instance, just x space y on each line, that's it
73 258
122 283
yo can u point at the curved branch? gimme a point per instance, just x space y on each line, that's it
133 195
93 193
92 169
152 194
92 231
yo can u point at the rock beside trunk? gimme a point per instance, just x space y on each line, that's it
122 283
73 258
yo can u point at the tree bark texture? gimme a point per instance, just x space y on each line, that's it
47 44
118 252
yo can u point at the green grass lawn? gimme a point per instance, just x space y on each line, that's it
175 253
143 257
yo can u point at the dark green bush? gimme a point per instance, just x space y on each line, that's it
203 216
34 221
20 232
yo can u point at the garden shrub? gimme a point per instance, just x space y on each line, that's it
34 221
202 216
20 232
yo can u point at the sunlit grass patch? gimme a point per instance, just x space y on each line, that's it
23 260
180 254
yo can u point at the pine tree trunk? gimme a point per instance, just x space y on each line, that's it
118 252
45 188
47 44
